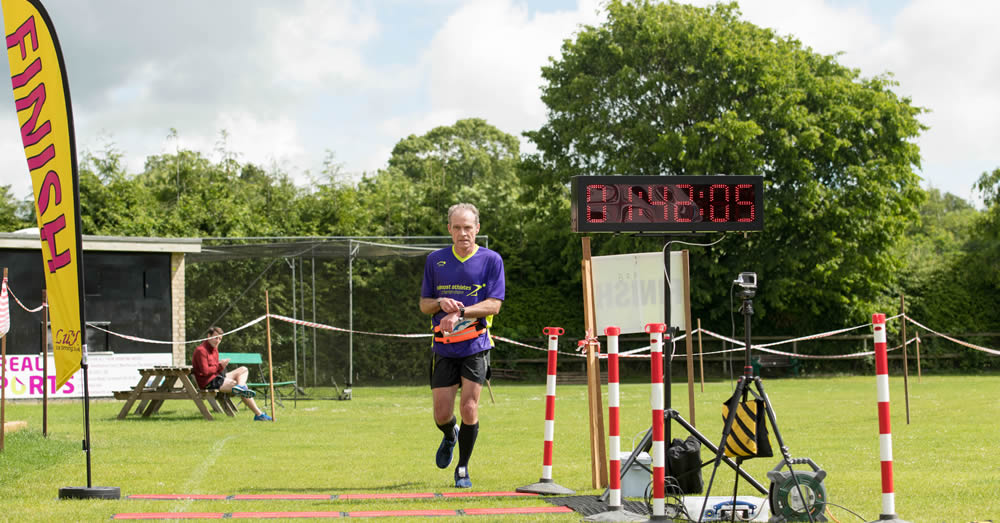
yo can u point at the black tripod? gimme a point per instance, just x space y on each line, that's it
670 414
742 391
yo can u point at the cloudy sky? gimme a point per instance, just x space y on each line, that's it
289 81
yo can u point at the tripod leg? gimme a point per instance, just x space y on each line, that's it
629 461
781 445
736 487
727 428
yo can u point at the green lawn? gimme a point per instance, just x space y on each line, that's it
384 440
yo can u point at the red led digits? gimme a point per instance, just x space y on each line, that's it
715 201
641 204
745 209
667 203
684 210
602 215
661 193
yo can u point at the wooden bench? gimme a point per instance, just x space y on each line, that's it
220 402
767 360
162 383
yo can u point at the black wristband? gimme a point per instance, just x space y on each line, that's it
461 312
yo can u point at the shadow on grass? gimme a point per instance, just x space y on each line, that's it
323 490
163 415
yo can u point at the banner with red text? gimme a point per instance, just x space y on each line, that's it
44 114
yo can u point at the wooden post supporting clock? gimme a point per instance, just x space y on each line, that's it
598 451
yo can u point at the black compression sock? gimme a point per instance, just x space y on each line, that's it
448 428
466 442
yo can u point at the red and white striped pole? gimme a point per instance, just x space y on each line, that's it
656 331
884 431
614 427
545 485
616 509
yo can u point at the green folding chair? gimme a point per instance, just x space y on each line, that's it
248 359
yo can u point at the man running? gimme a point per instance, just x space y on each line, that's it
463 288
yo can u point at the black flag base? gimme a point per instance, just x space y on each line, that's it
90 493
545 487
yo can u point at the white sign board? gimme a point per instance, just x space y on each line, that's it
629 291
107 371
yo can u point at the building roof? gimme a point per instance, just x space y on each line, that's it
28 239
319 248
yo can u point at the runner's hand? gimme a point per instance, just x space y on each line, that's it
449 305
449 321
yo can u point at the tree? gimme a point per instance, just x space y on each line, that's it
469 161
663 89
111 201
986 242
14 215
936 239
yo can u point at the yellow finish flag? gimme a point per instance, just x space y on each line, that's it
44 114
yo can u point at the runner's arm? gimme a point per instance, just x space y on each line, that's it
487 307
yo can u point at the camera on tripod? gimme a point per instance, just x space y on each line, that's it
747 282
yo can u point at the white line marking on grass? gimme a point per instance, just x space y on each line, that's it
200 472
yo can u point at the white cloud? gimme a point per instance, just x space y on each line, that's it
318 43
945 56
289 82
948 58
486 61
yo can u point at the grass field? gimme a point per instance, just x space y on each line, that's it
946 464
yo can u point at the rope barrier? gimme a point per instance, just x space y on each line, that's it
144 340
960 342
338 329
12 295
634 353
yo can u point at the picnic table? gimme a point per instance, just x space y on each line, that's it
161 383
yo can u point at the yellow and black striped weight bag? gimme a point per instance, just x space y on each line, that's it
748 437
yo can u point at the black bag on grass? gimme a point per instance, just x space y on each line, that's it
684 464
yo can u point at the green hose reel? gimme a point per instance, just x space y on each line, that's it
787 503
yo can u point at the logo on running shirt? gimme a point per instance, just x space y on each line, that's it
441 263
475 291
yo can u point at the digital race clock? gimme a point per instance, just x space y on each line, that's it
667 203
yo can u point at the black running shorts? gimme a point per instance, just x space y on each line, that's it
446 372
216 382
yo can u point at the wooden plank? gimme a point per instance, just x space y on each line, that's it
192 393
176 394
686 274
166 385
598 451
11 426
136 391
228 405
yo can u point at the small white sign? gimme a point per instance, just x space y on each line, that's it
628 291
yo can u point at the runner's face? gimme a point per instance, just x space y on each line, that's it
463 229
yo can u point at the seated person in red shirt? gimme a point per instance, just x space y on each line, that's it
210 372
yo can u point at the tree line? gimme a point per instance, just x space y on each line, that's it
657 89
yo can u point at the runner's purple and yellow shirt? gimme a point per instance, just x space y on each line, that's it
469 280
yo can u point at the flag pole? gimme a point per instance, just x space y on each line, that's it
270 366
3 377
45 365
90 491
